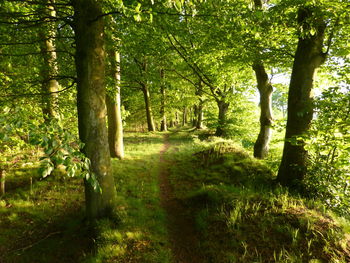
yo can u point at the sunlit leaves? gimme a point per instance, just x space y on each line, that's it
329 145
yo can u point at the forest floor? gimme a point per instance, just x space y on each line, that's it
183 197
181 226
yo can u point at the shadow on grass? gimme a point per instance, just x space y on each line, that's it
45 224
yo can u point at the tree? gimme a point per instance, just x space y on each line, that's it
308 57
163 124
90 66
199 115
113 103
261 146
146 95
265 90
49 69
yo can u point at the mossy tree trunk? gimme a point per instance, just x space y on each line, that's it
177 118
2 181
195 115
148 108
184 116
163 124
308 57
49 69
113 102
199 93
199 123
261 146
221 129
90 67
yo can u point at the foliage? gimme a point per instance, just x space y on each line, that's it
329 146
242 120
206 49
59 146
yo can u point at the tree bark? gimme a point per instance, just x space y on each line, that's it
163 125
90 66
115 122
2 182
221 129
199 124
308 57
184 116
261 146
149 114
50 69
177 118
199 93
195 116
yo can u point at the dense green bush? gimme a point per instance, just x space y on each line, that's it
329 148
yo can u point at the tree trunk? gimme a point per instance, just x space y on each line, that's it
195 116
308 58
221 128
261 146
177 118
49 70
163 125
199 123
199 93
184 116
115 122
90 66
2 182
149 114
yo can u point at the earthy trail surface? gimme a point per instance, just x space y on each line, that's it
182 234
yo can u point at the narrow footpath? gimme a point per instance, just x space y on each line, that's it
182 234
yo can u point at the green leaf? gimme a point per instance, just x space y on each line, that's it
137 9
49 151
46 170
137 18
178 5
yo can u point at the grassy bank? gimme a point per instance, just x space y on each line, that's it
242 216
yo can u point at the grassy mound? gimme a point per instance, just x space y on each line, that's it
242 216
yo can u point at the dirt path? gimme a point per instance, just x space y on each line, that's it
182 234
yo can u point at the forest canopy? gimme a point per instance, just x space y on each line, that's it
273 76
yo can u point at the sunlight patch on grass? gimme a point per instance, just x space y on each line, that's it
141 235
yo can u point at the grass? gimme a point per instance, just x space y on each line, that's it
141 236
242 216
41 222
